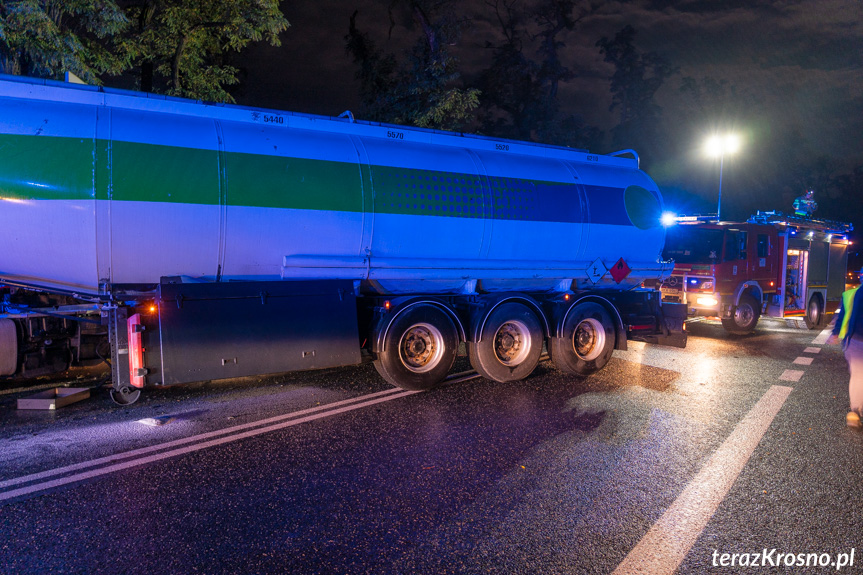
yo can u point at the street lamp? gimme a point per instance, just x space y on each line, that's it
720 146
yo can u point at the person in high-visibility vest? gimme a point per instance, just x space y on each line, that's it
849 330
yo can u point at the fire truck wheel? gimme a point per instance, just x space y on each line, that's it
814 312
419 348
587 342
743 317
510 344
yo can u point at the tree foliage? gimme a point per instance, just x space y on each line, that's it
512 92
181 47
45 38
637 77
425 89
520 94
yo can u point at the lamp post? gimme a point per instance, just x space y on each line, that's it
720 146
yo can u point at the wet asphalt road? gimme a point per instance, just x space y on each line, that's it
554 474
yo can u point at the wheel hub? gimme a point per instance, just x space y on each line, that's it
512 343
588 340
421 348
744 314
584 339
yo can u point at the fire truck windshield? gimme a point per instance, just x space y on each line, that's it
691 245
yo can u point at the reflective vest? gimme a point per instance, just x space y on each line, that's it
847 304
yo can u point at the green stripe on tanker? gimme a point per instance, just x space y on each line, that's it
41 168
298 183
149 173
53 168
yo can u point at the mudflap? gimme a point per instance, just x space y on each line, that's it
671 321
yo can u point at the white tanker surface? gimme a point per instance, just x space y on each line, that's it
102 187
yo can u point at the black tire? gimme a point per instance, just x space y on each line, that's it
510 344
587 342
420 348
814 317
743 317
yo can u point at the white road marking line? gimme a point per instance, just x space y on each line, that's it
803 361
791 375
190 449
812 350
666 544
190 439
822 337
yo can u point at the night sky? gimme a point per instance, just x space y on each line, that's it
793 69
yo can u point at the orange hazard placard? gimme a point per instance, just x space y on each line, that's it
619 270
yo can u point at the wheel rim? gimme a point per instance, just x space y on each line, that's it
125 395
813 311
588 339
743 315
512 343
421 348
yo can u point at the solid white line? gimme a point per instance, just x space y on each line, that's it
666 544
189 449
190 439
791 375
803 361
822 337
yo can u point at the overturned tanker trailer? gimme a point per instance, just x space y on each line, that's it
192 241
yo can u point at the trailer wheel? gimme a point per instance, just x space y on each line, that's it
125 395
814 312
743 317
419 348
587 342
510 344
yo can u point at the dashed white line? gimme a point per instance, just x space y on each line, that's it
791 375
803 361
812 350
665 545
822 337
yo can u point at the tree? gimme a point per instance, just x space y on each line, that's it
45 38
423 91
512 95
519 93
636 79
181 47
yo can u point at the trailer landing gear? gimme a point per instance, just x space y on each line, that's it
125 395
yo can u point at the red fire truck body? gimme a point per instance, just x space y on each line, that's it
774 265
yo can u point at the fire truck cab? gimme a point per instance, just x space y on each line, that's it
774 265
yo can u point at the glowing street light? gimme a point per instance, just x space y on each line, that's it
720 146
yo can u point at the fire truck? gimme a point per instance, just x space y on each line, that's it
773 264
